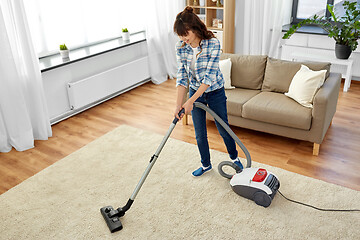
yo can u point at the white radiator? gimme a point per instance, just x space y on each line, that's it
104 84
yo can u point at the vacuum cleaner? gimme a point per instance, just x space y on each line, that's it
243 182
256 184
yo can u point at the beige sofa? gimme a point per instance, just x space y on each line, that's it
258 101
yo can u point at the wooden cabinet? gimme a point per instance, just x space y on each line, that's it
219 17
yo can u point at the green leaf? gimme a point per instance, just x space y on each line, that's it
331 10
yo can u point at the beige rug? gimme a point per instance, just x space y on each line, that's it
63 201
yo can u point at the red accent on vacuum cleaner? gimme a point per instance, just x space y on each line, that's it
260 175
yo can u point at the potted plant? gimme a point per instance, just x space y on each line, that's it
64 51
125 34
344 30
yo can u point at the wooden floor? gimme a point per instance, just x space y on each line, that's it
150 107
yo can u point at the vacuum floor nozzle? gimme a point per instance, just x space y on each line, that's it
113 222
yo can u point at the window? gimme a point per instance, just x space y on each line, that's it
303 9
81 22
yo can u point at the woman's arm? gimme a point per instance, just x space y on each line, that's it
188 105
181 81
181 90
181 75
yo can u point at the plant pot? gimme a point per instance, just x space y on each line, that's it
64 53
342 51
126 36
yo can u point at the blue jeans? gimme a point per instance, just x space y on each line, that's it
216 100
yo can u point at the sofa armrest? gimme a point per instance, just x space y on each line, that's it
324 106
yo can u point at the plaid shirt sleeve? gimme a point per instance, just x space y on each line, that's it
181 76
210 77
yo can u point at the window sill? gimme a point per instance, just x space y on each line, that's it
56 61
308 29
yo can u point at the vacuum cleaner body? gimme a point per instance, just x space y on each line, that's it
256 184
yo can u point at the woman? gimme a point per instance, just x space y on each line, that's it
198 53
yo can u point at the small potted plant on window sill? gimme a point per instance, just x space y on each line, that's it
64 51
125 34
344 30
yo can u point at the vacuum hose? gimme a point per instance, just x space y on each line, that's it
233 135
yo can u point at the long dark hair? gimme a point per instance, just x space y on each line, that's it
188 20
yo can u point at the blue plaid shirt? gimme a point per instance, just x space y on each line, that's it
207 69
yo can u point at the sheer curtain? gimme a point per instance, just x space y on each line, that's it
161 39
259 24
23 111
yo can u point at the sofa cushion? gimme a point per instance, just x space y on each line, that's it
305 84
276 108
236 99
246 71
279 73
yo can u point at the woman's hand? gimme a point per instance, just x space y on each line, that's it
188 106
177 110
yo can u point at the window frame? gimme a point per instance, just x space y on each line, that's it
295 20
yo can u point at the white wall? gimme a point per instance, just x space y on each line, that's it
55 81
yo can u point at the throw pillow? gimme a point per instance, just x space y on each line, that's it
225 68
304 85
279 73
247 71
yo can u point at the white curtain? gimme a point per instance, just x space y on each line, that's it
259 24
23 112
161 39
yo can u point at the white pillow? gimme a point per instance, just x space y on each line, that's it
304 85
225 68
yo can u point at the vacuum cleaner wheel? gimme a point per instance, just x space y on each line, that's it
262 199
